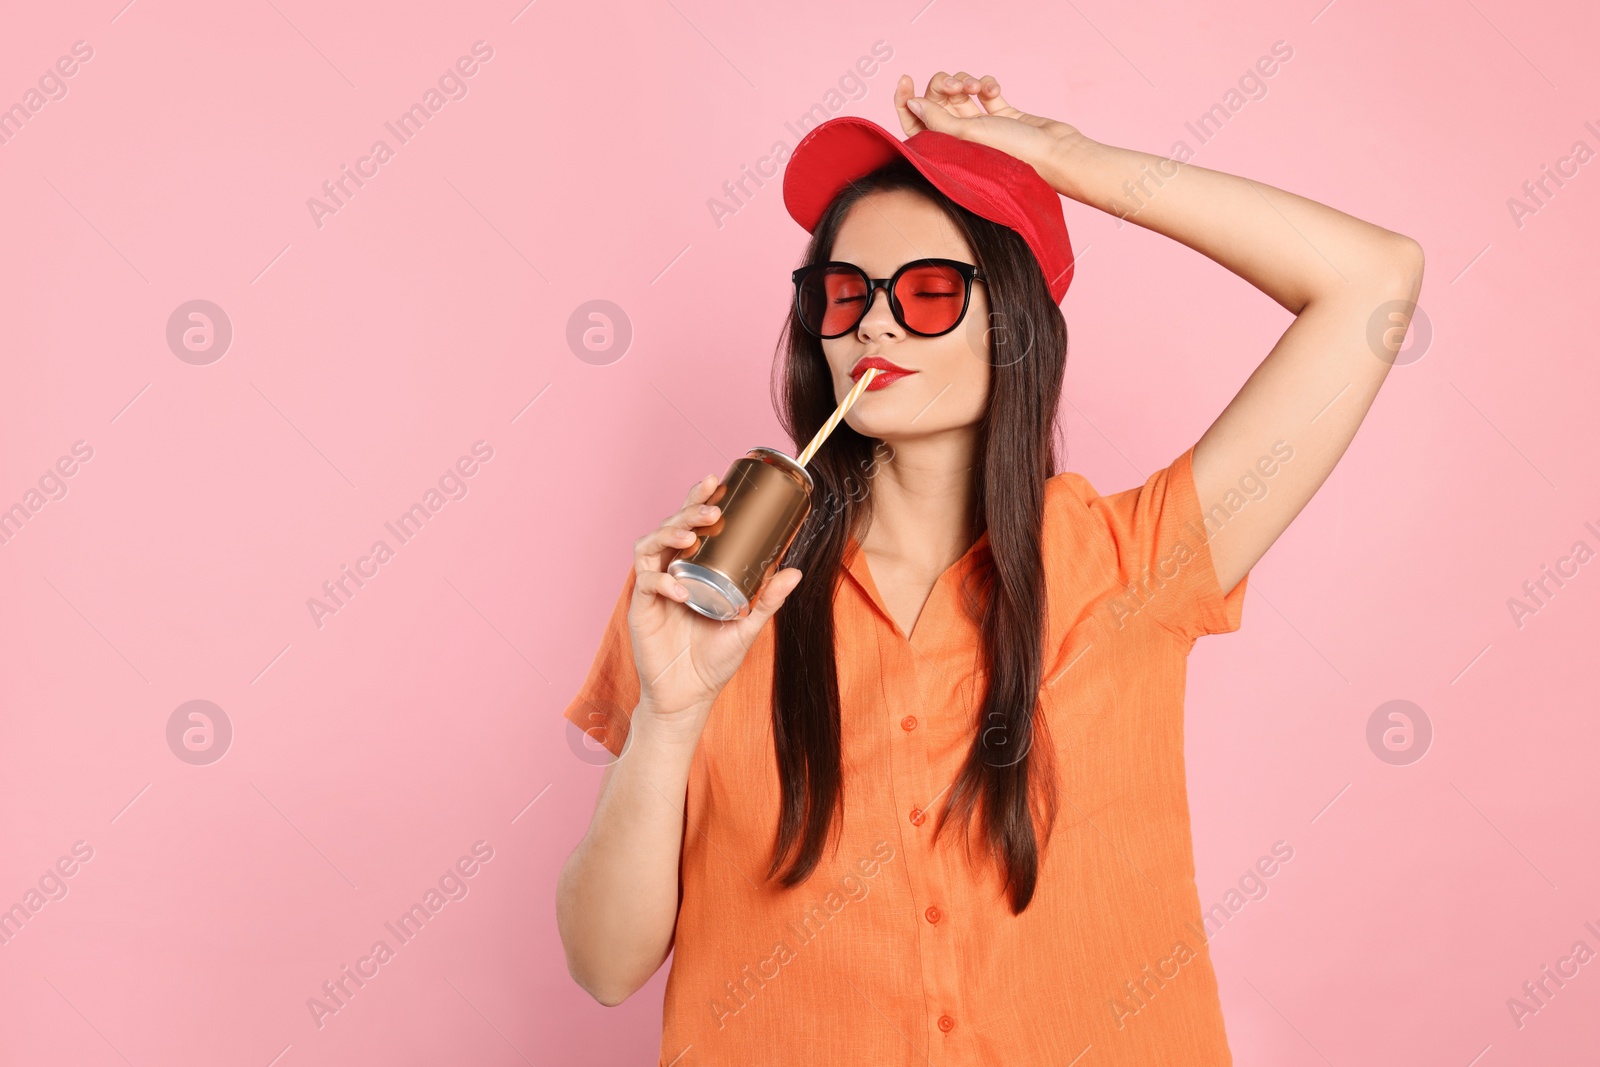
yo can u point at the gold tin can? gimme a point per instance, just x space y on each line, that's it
764 497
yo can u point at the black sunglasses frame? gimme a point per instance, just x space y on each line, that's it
968 272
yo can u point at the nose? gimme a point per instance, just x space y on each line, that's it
875 322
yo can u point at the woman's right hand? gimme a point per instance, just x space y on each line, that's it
685 659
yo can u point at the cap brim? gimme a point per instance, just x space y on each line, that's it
829 158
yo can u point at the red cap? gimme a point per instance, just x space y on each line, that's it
984 180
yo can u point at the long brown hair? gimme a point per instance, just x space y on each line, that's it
1005 591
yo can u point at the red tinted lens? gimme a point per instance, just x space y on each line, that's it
931 297
830 300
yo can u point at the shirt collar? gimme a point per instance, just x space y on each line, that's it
855 563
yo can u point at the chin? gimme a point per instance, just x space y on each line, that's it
888 429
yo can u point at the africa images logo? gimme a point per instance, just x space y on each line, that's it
452 885
451 85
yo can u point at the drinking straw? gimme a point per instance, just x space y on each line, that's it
838 413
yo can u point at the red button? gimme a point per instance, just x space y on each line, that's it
933 914
908 723
917 816
946 1023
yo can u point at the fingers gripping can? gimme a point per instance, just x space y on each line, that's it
764 497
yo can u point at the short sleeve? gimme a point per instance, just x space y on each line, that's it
1162 544
604 704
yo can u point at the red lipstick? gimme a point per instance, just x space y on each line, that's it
888 373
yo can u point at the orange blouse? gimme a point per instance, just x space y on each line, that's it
897 951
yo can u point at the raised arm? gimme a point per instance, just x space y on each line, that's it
1351 286
649 693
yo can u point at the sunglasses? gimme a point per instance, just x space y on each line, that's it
928 297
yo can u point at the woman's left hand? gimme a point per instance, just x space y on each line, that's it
973 110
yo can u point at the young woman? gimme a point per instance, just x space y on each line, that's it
936 812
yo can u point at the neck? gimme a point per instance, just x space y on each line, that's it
922 500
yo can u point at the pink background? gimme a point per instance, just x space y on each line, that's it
431 312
